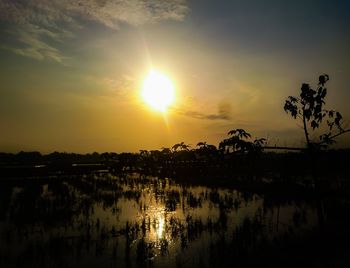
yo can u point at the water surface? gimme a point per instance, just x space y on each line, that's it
134 220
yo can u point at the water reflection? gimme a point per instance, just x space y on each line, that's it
136 220
153 220
160 225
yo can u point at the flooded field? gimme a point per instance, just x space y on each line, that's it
132 220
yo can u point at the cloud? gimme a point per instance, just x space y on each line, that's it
29 42
135 12
34 22
121 87
224 113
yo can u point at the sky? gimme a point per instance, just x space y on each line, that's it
72 71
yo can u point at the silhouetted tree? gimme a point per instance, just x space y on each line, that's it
309 108
144 153
238 142
205 152
165 151
204 146
181 146
240 133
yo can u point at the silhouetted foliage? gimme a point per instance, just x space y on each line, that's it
239 143
181 146
309 107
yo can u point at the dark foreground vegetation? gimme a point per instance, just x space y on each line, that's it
203 166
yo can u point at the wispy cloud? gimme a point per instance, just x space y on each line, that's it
30 42
135 12
33 22
223 113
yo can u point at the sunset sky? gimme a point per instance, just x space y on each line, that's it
72 72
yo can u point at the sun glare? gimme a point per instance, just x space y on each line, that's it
158 91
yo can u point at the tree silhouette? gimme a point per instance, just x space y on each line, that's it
165 151
202 144
241 133
205 152
181 146
238 142
144 153
309 107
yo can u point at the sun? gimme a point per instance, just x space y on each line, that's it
158 91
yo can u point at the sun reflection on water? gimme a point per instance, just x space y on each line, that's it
160 226
157 217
